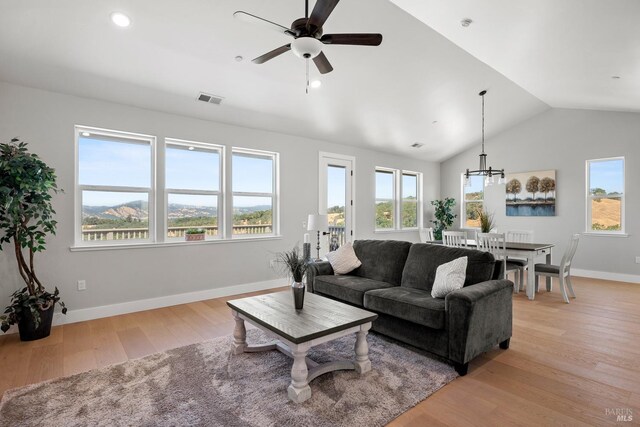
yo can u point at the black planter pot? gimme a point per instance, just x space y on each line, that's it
28 330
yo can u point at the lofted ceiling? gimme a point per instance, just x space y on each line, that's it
418 86
565 52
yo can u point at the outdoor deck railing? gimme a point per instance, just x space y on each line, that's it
143 233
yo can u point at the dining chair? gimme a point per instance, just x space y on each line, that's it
457 239
426 235
520 236
563 271
496 244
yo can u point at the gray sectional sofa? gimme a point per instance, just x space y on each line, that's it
395 281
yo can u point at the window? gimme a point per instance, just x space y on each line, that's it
114 186
398 201
254 199
472 201
119 201
385 199
193 187
605 195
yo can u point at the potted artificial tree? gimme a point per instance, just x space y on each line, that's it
444 216
295 265
26 217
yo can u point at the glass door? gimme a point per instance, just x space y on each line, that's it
337 199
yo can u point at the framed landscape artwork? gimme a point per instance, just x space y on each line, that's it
531 193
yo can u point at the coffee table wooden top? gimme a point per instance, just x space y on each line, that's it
320 316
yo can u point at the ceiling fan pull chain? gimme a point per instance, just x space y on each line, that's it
307 88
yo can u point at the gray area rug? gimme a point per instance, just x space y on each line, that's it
205 385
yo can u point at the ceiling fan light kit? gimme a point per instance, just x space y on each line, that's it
308 36
489 173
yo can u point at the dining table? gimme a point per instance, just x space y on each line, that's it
528 251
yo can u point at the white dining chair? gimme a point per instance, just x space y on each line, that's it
426 235
457 239
563 271
520 236
496 244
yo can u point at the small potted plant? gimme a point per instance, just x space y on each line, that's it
292 263
194 234
486 221
26 217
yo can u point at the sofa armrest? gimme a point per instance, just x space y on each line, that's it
479 317
321 268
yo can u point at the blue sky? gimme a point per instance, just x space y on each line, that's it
336 186
476 184
608 175
111 163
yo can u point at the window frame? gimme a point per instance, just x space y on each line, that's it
397 200
150 191
275 194
589 198
463 205
220 193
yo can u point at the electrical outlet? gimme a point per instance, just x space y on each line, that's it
638 260
82 285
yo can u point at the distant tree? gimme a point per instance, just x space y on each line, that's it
547 185
598 191
533 185
514 187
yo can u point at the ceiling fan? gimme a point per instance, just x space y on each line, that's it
308 38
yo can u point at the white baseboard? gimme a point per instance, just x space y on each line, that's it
606 275
83 314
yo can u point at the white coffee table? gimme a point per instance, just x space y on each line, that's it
297 331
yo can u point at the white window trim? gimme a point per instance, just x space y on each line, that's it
463 205
220 193
397 199
275 195
589 198
151 191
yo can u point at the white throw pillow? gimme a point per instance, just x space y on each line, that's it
343 260
449 277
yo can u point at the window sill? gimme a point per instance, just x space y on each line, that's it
603 234
117 246
404 230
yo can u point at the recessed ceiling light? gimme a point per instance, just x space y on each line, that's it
615 77
86 134
466 22
316 84
434 122
417 145
120 19
239 58
192 148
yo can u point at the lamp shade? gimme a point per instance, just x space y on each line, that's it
317 222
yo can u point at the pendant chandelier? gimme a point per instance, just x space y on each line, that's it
489 173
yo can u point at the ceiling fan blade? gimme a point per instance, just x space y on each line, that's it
270 55
321 12
323 64
353 39
253 19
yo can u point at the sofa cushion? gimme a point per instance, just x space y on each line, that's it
410 304
344 260
382 260
424 259
349 289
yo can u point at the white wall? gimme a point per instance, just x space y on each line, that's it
564 139
46 121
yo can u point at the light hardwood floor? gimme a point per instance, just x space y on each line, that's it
567 363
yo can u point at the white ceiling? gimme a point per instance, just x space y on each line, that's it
562 51
384 98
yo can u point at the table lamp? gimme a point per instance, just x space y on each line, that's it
319 223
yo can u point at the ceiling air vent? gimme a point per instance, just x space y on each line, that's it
417 145
211 99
